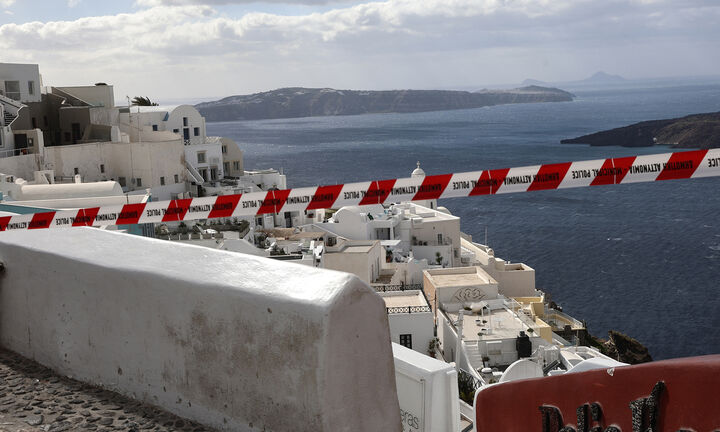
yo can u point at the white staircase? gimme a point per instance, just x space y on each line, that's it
474 356
194 174
8 118
9 110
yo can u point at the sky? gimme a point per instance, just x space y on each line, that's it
206 49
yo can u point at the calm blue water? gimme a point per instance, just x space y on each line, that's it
643 259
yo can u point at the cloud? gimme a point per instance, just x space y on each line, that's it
6 3
154 3
395 43
73 3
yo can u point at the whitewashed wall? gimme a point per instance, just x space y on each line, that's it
236 342
419 324
22 73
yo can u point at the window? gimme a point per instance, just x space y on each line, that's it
31 87
102 168
204 174
226 166
201 157
176 130
406 340
236 165
258 222
155 128
177 180
224 149
196 131
76 135
440 239
162 181
76 170
138 182
185 122
12 90
213 173
122 181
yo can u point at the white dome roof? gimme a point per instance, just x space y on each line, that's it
418 172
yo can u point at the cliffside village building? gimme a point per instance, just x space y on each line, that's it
65 132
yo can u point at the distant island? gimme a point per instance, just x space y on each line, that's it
693 131
309 102
597 79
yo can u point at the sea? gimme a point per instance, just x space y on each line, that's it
642 259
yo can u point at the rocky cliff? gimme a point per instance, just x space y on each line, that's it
693 131
307 102
620 347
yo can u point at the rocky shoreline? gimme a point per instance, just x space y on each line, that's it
694 131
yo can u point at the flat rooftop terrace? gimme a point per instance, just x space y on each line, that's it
357 249
459 277
403 298
503 324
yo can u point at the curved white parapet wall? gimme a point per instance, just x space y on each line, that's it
29 192
596 363
521 369
233 341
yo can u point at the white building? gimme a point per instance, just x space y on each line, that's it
183 120
20 82
19 196
359 257
429 234
514 279
78 130
466 301
411 319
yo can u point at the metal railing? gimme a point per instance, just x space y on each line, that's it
470 378
467 386
407 309
564 319
396 287
14 152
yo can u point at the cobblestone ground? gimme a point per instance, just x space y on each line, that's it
34 399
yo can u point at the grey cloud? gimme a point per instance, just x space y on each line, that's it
154 3
388 41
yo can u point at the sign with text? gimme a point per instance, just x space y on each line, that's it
633 169
664 396
411 395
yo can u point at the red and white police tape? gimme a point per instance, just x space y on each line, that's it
633 169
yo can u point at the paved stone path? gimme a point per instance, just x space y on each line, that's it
34 399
